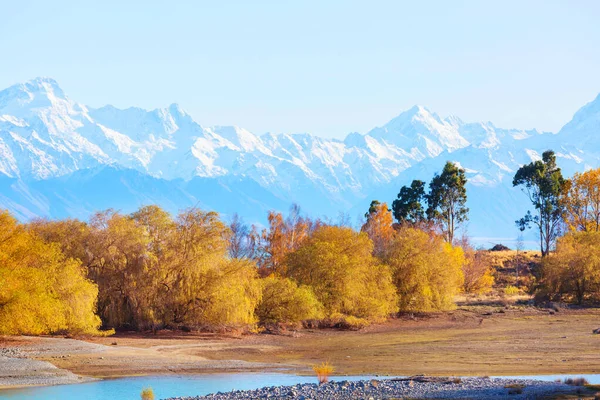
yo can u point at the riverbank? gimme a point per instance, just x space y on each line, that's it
413 388
472 341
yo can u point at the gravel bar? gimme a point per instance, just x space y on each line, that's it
413 388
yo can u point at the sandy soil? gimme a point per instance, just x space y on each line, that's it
470 341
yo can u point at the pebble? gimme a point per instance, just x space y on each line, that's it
420 387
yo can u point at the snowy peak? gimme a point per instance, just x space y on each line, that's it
421 133
36 93
583 131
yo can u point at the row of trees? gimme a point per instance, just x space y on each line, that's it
148 270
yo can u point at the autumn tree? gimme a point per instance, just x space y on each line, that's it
73 236
572 273
338 264
208 288
447 198
119 262
41 291
543 183
426 270
581 201
409 205
477 269
283 236
379 226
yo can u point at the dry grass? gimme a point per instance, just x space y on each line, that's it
147 394
516 341
323 371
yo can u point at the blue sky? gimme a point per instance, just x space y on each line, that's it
324 67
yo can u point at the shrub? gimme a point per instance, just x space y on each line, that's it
323 371
286 302
354 323
342 321
576 381
147 394
573 271
515 388
511 290
477 270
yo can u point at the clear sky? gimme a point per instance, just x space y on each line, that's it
324 67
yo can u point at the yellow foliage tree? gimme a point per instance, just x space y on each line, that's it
286 302
426 270
582 201
573 271
233 296
41 291
337 263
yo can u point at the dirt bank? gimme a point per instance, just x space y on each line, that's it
474 341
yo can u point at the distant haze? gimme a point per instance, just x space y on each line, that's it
327 68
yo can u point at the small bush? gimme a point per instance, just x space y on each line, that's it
511 290
354 323
342 321
323 371
147 394
515 388
499 247
576 381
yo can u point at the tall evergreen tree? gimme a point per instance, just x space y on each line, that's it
408 207
447 199
543 183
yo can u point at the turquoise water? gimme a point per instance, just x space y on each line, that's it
188 385
163 386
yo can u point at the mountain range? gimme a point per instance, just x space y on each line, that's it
60 158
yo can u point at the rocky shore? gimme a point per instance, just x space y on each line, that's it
413 388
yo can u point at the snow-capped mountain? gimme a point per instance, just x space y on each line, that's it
51 147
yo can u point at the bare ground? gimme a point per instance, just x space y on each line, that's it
470 341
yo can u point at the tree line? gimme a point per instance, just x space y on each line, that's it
152 270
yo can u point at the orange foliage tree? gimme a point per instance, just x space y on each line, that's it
379 226
283 236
